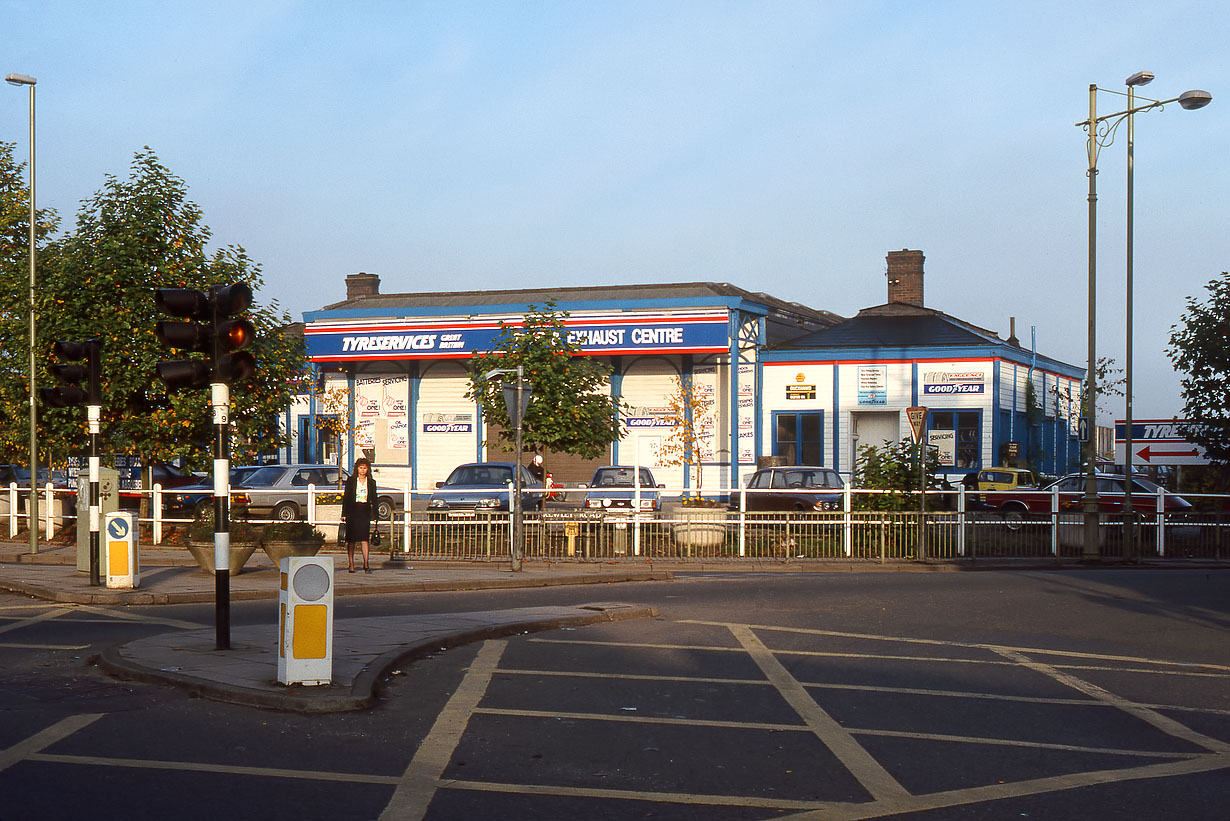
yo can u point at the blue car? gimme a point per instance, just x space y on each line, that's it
482 487
612 490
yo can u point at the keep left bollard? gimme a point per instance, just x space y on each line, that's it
120 556
305 620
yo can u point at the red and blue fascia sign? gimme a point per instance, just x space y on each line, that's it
410 339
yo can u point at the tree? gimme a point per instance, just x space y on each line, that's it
333 419
132 237
1198 349
15 302
688 412
894 468
571 410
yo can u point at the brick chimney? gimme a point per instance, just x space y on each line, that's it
361 285
905 276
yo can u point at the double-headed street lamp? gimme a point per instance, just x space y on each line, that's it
32 507
1100 132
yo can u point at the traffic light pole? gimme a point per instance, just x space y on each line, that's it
220 400
94 415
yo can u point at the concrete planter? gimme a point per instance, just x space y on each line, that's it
277 551
203 552
328 519
699 526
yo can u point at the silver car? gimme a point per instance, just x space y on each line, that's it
280 491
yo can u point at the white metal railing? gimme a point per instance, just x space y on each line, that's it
958 524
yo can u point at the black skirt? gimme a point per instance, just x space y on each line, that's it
358 516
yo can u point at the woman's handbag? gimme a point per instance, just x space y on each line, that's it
375 539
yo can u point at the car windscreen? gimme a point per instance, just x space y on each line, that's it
809 478
264 476
480 475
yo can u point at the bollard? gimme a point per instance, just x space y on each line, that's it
305 620
120 557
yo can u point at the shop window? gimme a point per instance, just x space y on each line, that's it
968 427
798 437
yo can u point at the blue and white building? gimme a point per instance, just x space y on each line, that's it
784 380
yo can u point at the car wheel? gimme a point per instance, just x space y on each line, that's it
286 512
204 511
384 509
1014 517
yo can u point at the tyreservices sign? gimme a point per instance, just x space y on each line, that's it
683 332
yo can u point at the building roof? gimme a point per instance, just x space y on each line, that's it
897 325
784 319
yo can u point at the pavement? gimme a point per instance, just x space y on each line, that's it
366 651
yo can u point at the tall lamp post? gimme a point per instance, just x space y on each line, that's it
32 507
1100 132
516 398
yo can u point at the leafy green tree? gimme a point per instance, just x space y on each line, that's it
892 468
571 410
15 303
1198 349
133 236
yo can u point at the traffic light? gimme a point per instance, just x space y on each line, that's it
212 329
71 393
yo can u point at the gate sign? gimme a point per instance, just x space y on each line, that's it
1157 442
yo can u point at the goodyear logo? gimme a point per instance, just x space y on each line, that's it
447 427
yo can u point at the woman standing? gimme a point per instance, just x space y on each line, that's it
358 503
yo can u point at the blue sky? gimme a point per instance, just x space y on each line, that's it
778 146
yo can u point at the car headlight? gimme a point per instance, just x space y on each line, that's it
606 502
437 503
488 502
593 503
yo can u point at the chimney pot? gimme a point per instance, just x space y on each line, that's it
362 285
905 276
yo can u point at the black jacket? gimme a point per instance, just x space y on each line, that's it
348 493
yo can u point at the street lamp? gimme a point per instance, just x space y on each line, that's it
516 398
32 507
1100 132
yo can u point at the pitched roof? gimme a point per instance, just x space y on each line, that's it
896 325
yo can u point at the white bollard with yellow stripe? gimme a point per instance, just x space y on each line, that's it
305 621
119 553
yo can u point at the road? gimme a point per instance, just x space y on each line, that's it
1076 694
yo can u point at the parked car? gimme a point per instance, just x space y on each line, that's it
280 491
161 473
197 500
483 487
999 478
795 487
612 489
65 489
1110 490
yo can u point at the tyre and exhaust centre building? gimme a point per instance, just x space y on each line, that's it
785 380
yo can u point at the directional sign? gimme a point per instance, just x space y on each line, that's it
117 528
1157 442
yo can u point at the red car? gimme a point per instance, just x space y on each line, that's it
1014 505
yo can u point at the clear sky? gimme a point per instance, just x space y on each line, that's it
782 147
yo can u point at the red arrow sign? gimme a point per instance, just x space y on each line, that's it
1148 452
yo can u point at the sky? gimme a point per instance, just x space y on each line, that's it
782 147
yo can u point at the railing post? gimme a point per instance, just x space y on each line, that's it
156 513
1055 521
13 509
1161 521
961 520
742 524
847 528
49 497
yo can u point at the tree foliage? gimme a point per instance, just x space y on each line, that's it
131 237
688 413
571 409
15 302
1198 348
892 468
